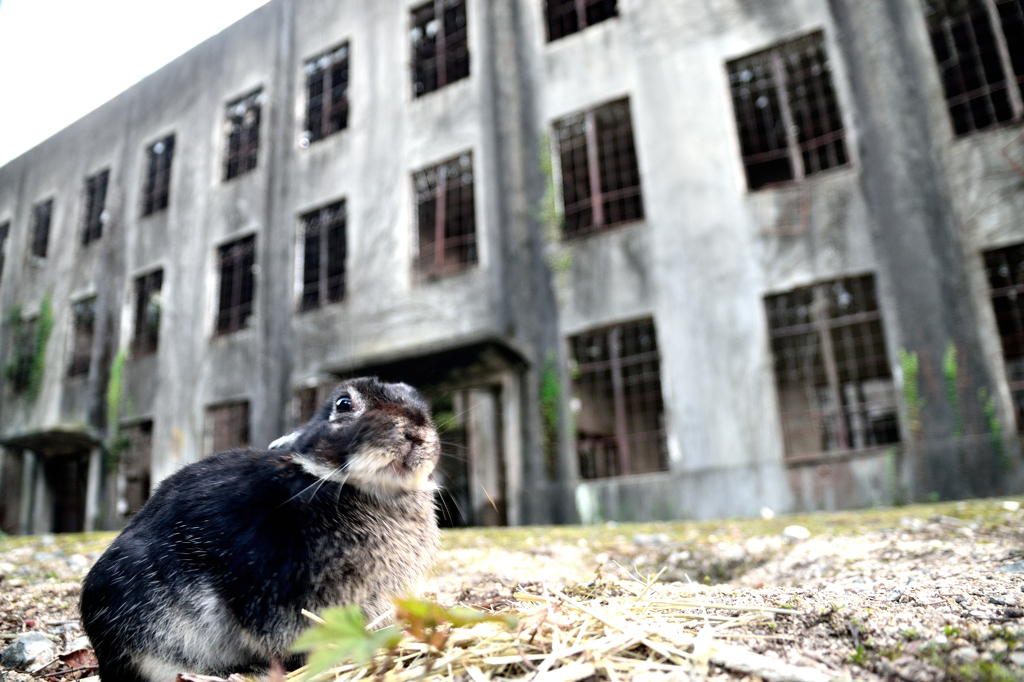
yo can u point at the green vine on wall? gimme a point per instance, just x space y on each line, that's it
995 430
558 254
27 365
910 365
118 442
550 400
950 370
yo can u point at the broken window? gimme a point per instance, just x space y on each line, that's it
243 131
237 284
147 313
95 201
1005 270
157 190
41 214
979 47
786 112
440 48
600 176
569 16
445 215
326 94
137 463
227 427
616 388
5 231
81 348
323 256
835 388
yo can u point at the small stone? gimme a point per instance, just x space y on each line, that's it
652 540
78 644
31 649
47 540
895 595
1011 505
1014 612
1017 658
6 568
1016 567
78 562
767 513
965 654
960 600
940 640
796 533
998 647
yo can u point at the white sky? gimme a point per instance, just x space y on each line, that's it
60 59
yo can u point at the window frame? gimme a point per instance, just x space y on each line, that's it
238 314
439 264
1001 286
80 360
156 188
325 64
580 9
41 238
144 341
210 426
325 294
95 209
241 148
444 45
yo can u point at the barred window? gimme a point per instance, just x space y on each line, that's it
41 215
237 284
147 313
832 373
616 388
569 16
440 46
326 95
227 427
308 399
5 231
1005 270
157 190
600 176
243 131
323 256
21 359
446 219
95 201
979 47
85 326
137 465
786 112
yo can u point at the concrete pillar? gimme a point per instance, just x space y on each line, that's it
512 445
28 476
42 501
486 484
92 489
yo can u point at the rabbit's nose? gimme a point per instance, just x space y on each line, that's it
413 436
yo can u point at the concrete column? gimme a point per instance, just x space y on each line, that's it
486 489
92 489
42 502
512 445
28 475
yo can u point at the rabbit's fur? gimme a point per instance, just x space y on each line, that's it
212 574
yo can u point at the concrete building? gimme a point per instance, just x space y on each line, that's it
649 259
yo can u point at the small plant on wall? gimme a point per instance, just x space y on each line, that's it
26 364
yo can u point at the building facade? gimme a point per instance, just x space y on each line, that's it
649 259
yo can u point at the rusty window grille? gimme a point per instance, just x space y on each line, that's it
832 374
979 47
95 202
147 313
243 131
5 231
227 427
137 465
1005 270
237 284
445 213
157 190
84 312
440 46
323 256
786 112
41 215
600 175
569 16
326 95
616 388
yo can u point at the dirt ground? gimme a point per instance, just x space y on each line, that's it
930 592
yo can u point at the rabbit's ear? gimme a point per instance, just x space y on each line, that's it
286 441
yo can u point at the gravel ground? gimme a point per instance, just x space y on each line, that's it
917 593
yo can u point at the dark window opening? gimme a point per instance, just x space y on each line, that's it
326 94
445 213
979 47
147 313
1005 270
85 326
157 190
243 130
137 465
569 16
95 202
227 427
786 112
835 388
67 477
600 175
616 388
5 231
22 358
237 284
440 46
308 399
323 256
41 215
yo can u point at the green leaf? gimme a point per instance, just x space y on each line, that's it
342 638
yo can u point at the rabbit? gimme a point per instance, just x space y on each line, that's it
211 575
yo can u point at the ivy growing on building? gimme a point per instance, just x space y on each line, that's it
26 363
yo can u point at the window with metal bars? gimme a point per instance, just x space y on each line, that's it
237 284
1005 270
147 313
786 112
979 47
137 464
243 132
5 231
41 215
326 95
616 388
569 16
835 388
157 190
307 400
95 201
84 312
227 427
440 45
446 221
600 175
323 256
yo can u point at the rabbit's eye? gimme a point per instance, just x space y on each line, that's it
343 404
